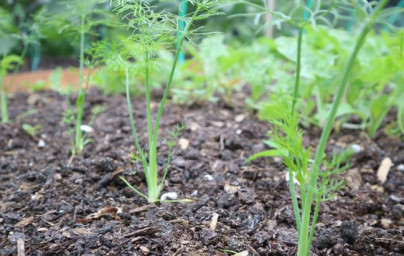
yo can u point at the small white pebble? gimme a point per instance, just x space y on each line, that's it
86 128
356 148
400 167
169 196
194 193
41 144
208 177
239 131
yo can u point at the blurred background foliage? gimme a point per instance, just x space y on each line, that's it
239 55
240 25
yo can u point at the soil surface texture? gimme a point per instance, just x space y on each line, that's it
52 204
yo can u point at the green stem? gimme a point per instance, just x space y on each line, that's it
81 94
18 66
296 209
292 188
148 101
304 245
152 185
166 168
298 67
152 170
314 221
170 79
132 123
3 99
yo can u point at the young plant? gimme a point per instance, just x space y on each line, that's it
7 63
152 33
79 18
315 185
31 130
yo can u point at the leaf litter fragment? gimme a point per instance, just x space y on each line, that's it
384 169
107 211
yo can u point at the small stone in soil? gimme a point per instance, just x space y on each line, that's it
169 196
192 154
397 211
179 162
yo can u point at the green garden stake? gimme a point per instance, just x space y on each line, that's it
183 13
36 56
309 5
351 22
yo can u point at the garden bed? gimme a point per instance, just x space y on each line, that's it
81 207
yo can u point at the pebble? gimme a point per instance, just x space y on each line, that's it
179 162
400 167
208 177
41 143
169 196
386 223
356 148
86 128
397 211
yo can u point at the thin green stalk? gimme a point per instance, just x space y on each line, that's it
152 169
314 221
81 94
153 186
298 67
133 188
3 99
166 168
170 79
18 66
296 209
148 101
304 245
292 188
132 122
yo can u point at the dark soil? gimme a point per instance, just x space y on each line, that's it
83 208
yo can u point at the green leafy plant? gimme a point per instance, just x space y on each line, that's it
314 176
79 18
70 120
6 63
152 34
32 130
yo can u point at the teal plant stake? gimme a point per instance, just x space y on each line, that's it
182 14
309 5
36 56
351 22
